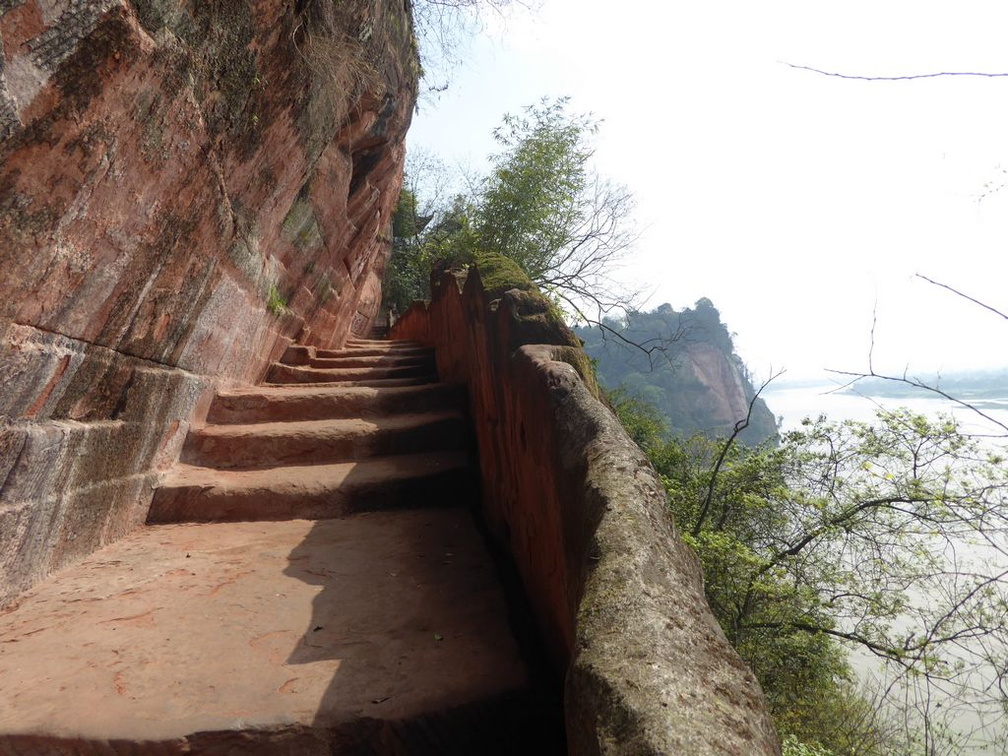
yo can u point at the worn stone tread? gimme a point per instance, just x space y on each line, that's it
311 401
420 380
200 494
376 350
375 361
355 343
280 373
268 444
252 635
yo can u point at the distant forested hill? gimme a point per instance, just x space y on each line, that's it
693 375
967 386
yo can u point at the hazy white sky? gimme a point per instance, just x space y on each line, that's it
798 203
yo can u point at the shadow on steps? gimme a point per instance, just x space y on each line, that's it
433 657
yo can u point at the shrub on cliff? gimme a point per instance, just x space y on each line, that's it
541 206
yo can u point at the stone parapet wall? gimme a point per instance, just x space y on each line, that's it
616 594
186 188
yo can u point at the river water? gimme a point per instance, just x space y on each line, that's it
791 402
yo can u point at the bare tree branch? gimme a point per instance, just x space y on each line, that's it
915 382
918 383
909 77
961 294
740 426
575 298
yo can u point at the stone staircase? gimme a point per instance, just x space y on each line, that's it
332 433
311 580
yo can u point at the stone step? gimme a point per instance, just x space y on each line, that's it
311 401
377 361
298 354
382 634
380 347
310 442
382 343
280 373
200 494
423 380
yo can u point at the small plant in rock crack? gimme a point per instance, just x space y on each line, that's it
275 302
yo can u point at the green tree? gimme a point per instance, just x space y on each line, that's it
544 207
420 239
405 277
541 205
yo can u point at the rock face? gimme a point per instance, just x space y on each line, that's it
617 596
685 367
725 400
186 188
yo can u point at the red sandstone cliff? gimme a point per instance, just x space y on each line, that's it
727 390
185 188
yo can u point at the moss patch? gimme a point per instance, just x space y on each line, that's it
500 274
301 227
534 319
275 301
577 359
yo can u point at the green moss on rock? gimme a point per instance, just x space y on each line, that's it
577 359
217 40
500 274
301 227
534 319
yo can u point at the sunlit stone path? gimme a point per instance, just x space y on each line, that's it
311 580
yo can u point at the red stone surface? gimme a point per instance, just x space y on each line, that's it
382 629
185 189
183 629
582 513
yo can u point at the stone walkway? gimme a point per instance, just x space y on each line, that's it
315 583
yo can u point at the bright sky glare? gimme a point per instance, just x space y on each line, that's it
798 203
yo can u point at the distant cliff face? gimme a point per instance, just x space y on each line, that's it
684 364
721 394
185 188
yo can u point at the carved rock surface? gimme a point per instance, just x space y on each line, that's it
185 188
351 635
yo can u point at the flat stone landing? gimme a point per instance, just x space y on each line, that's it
381 633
